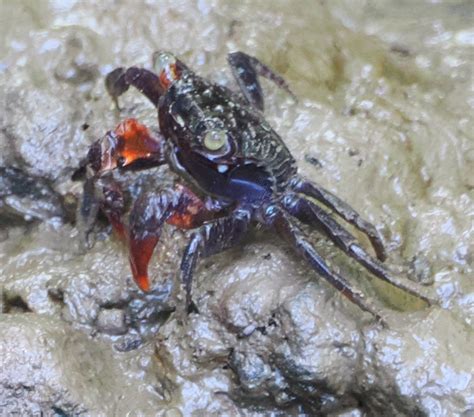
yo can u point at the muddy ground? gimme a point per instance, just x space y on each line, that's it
384 120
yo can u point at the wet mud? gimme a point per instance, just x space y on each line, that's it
384 120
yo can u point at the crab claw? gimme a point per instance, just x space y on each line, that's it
130 142
140 255
146 219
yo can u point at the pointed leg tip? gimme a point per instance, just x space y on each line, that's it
191 308
382 321
116 104
378 246
431 301
381 256
293 96
140 253
143 282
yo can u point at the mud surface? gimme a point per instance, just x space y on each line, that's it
384 120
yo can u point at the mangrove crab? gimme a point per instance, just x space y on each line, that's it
237 169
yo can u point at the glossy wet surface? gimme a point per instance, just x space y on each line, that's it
384 120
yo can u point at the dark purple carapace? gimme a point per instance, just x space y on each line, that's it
237 169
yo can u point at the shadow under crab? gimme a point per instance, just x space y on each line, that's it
238 169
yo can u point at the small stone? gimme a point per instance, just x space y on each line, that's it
112 321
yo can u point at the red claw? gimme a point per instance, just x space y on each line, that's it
140 255
129 142
181 208
134 141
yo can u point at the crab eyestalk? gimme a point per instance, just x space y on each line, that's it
168 68
129 143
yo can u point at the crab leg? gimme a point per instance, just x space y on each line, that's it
129 146
246 70
211 238
292 233
343 210
310 213
87 211
120 79
179 207
100 194
112 205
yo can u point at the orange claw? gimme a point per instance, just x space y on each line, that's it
134 141
179 207
129 142
140 255
143 282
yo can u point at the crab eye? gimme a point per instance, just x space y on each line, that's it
215 139
164 63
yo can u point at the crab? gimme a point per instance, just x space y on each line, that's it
235 169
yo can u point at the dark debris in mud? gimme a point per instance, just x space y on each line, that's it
266 337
